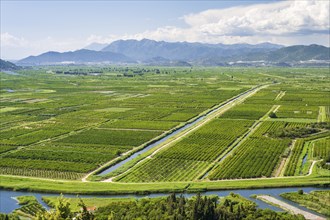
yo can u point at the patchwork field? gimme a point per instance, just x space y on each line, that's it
62 126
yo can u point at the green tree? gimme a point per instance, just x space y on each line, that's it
272 115
62 211
84 213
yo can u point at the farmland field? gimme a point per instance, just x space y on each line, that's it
58 126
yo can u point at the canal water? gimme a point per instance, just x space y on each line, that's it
188 125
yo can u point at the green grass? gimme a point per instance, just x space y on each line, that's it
318 201
23 200
89 202
78 187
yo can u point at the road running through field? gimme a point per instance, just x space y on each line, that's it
238 142
210 116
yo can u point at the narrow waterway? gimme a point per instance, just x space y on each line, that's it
116 166
185 127
304 160
8 202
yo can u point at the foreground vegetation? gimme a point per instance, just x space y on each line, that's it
230 207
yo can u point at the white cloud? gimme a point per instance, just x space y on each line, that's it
282 18
275 22
285 22
8 40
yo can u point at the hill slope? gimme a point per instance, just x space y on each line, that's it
6 65
300 53
78 56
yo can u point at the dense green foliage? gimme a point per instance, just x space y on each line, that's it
4 216
173 207
256 157
230 207
299 131
321 150
291 168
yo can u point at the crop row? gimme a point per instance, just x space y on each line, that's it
46 165
268 126
32 209
4 148
304 97
164 170
297 111
40 173
247 111
327 113
186 159
111 137
257 156
263 97
208 142
322 149
151 125
296 152
33 137
67 155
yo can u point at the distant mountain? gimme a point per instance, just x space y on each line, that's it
76 57
300 53
150 52
95 46
284 56
6 65
146 49
161 61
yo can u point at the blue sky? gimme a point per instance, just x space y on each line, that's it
34 27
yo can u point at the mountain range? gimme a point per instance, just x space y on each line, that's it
78 56
152 52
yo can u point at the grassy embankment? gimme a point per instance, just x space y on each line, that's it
74 187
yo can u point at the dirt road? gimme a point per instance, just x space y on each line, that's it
290 208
